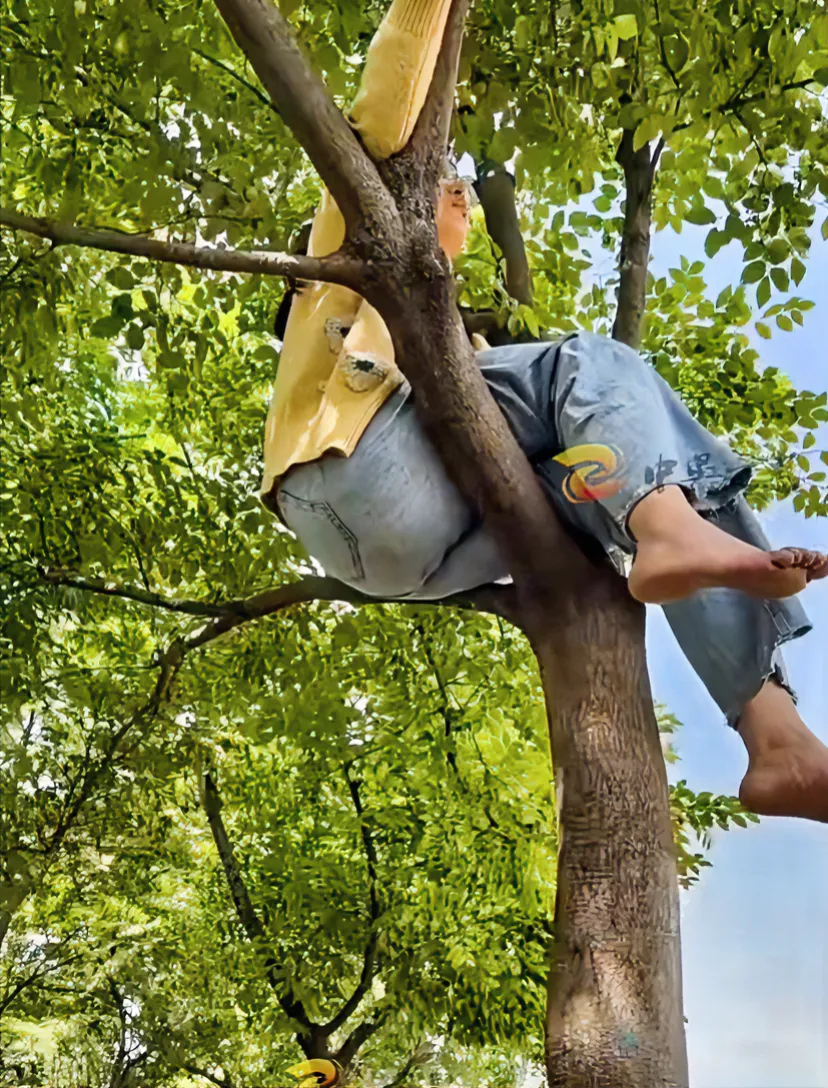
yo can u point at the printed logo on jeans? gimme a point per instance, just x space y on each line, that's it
595 472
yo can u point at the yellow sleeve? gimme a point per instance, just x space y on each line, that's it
395 81
398 73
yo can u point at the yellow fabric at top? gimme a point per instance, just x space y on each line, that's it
337 363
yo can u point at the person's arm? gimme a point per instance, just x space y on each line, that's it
397 74
395 82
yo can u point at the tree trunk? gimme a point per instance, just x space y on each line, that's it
615 1010
614 1015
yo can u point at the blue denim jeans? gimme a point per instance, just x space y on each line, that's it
389 521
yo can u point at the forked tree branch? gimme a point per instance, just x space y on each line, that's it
357 1039
369 957
250 921
304 104
337 268
497 599
429 139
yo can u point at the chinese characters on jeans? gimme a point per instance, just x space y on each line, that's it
698 468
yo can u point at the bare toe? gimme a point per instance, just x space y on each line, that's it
815 564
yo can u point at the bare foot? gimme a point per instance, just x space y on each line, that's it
679 552
789 782
787 773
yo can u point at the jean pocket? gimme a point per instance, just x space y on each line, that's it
324 534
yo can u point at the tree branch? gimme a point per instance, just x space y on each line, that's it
251 923
58 577
495 599
169 662
358 1037
415 1059
639 170
198 1072
302 100
337 268
429 139
236 75
367 975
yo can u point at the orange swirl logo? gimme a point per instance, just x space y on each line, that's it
316 1073
594 472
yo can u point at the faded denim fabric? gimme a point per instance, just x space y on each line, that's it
389 521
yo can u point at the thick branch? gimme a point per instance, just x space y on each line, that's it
496 189
251 923
302 100
429 139
337 268
639 169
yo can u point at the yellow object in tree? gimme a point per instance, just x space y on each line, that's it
337 365
316 1073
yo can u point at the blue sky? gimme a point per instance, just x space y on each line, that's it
755 929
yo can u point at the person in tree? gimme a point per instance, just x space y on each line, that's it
351 472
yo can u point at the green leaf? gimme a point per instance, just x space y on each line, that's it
797 270
763 330
763 291
714 242
784 322
121 278
778 250
700 215
626 26
753 272
647 130
135 337
107 327
780 280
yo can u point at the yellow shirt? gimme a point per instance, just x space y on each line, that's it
337 363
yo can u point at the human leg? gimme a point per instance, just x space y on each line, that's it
678 552
733 642
388 520
607 398
787 771
731 638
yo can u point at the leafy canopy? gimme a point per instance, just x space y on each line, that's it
134 398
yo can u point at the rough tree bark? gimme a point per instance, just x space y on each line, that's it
614 1012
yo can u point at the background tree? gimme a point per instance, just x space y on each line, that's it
134 403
